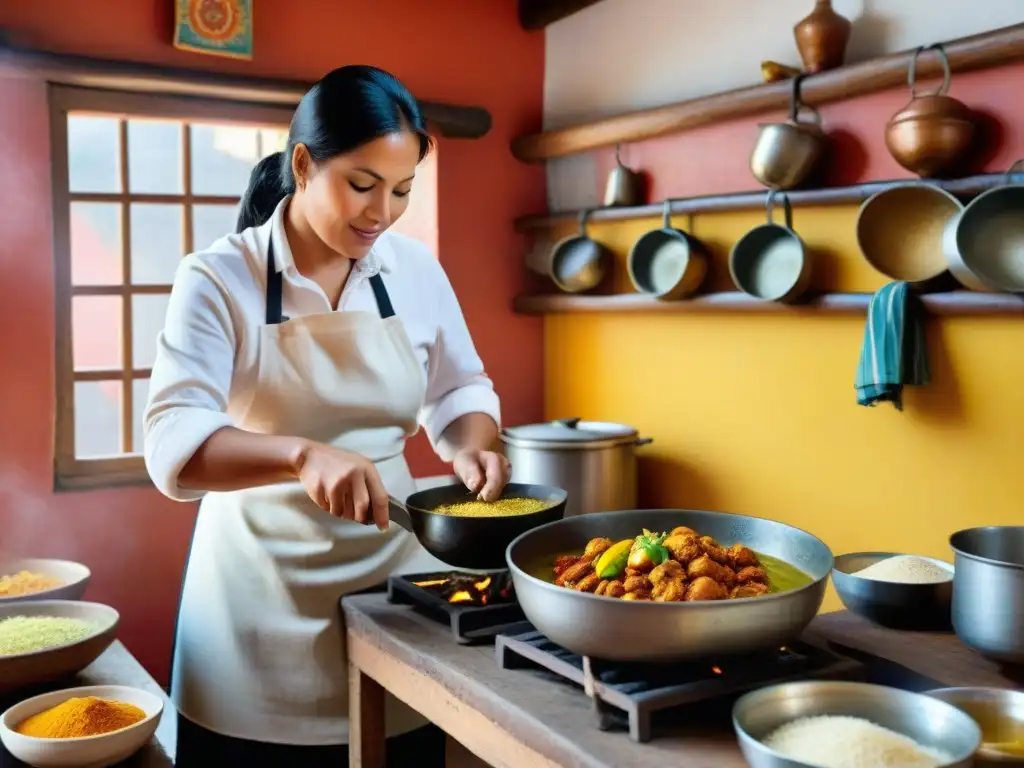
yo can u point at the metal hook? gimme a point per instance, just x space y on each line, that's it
1017 167
584 215
666 215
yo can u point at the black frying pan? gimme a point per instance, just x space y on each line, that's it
476 543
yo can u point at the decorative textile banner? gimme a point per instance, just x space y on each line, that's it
217 27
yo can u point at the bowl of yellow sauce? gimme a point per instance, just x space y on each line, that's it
999 712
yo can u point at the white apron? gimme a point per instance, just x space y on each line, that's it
259 646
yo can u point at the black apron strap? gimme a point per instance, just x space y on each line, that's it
275 292
381 294
275 288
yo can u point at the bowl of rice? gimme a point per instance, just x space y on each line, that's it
896 590
45 640
834 724
23 579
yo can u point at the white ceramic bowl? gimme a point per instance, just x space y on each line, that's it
74 577
51 664
89 751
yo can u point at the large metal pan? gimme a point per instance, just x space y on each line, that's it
623 630
990 234
474 543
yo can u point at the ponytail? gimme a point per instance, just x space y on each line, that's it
269 183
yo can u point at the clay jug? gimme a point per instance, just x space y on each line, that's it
821 38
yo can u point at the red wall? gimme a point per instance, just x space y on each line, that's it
446 50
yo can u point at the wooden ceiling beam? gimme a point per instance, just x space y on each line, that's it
537 14
450 120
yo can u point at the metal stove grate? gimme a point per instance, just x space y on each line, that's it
635 692
470 623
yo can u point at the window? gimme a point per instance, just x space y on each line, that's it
139 181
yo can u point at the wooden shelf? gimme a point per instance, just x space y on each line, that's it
960 303
989 49
740 201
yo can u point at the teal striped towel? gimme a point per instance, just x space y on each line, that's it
894 352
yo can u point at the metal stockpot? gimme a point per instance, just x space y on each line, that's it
595 462
988 591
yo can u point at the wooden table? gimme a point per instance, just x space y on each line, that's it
522 719
117 667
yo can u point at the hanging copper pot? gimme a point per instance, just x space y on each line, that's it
933 133
821 38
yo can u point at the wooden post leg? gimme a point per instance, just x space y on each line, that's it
366 733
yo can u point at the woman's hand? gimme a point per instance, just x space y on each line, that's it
343 483
483 472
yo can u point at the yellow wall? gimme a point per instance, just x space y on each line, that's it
757 414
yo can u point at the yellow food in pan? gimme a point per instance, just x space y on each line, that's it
498 508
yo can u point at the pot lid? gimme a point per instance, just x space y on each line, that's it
571 431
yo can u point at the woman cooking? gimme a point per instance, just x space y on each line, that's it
298 356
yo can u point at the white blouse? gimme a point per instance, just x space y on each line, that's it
206 360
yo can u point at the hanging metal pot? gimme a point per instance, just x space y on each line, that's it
990 234
901 232
770 262
786 153
625 186
667 263
932 134
578 263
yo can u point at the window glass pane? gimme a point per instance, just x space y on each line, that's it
140 393
93 155
156 242
212 222
148 313
154 157
222 158
96 244
96 331
97 418
272 140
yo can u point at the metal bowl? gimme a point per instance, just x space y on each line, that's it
624 630
900 606
998 712
900 232
928 721
988 591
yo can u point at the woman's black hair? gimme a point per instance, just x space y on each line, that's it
349 107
